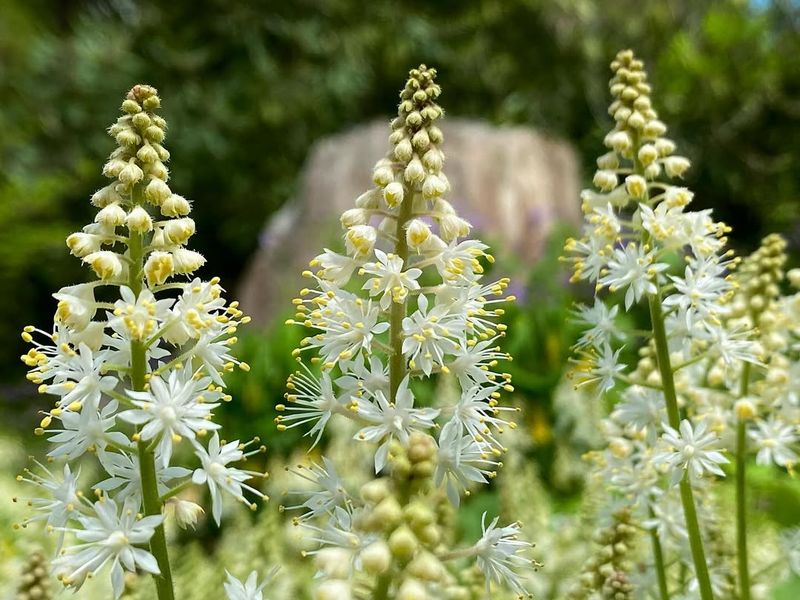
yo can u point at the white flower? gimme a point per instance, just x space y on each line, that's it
600 320
197 309
458 262
80 380
642 408
691 449
429 335
86 429
477 413
634 268
213 350
328 492
249 590
173 409
216 473
109 535
365 378
699 292
335 268
498 555
140 315
348 325
61 501
125 476
311 401
390 281
474 363
76 305
392 420
603 368
774 439
460 462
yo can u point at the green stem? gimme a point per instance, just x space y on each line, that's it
741 494
673 414
381 591
661 571
397 362
147 463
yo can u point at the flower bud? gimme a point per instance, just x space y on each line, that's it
387 512
360 240
636 186
426 566
157 170
334 562
131 106
147 154
411 589
139 220
76 305
154 134
417 234
130 174
403 150
608 161
175 206
605 180
421 140
452 227
794 277
127 137
376 558
186 261
654 129
393 194
433 187
178 231
745 409
664 147
105 263
433 160
647 154
620 141
403 543
375 490
105 196
111 216
186 513
157 191
82 244
414 172
334 589
382 175
676 166
159 267
636 120
354 216
141 120
369 199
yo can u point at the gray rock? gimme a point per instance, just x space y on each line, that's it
512 183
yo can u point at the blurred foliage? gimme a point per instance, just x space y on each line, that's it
249 86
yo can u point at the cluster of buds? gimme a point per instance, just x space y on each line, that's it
606 576
35 581
422 311
134 363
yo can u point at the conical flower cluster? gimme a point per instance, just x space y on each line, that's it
134 365
403 303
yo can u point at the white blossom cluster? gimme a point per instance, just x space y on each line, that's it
134 364
404 303
722 346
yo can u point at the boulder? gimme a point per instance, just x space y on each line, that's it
511 183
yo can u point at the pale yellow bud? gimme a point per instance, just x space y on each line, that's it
375 490
186 513
664 146
147 154
106 264
393 194
676 166
111 216
620 141
417 234
382 175
175 206
647 154
82 244
608 161
636 186
745 409
334 562
403 543
334 589
414 172
130 174
159 267
677 196
178 231
388 512
605 180
411 589
157 191
636 120
794 277
186 261
354 216
139 220
654 129
105 196
433 187
360 240
452 227
421 140
433 159
403 150
376 558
